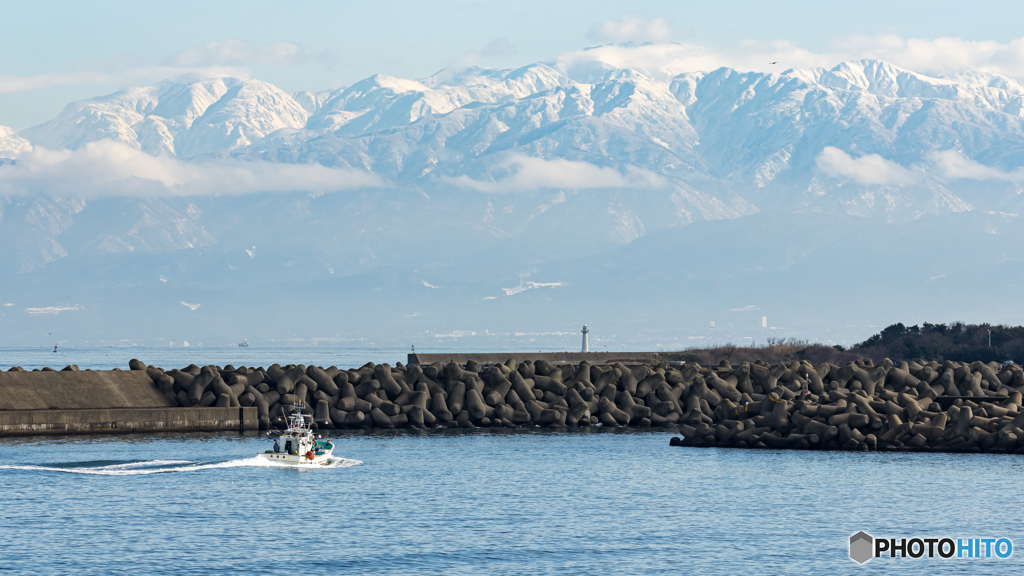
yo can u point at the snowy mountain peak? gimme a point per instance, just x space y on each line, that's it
721 143
11 144
184 117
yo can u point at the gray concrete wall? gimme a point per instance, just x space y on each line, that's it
80 390
553 357
126 420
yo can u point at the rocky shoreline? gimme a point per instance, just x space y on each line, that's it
905 406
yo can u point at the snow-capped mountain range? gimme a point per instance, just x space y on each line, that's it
741 130
555 164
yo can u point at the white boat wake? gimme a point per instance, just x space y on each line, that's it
166 466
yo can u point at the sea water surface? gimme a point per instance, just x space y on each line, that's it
488 501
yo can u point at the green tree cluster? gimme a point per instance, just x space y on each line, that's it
957 341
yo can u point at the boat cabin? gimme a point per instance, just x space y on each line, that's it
295 444
298 439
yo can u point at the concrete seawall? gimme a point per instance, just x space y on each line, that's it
104 402
126 420
79 390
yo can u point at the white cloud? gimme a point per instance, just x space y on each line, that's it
528 173
51 310
743 309
108 168
529 285
9 84
217 58
238 53
499 47
667 60
233 57
951 164
494 49
870 169
428 284
939 56
132 76
631 28
873 169
192 307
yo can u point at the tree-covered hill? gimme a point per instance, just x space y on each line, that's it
957 341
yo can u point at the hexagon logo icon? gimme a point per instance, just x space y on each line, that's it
861 547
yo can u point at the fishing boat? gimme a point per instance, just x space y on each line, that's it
243 344
298 445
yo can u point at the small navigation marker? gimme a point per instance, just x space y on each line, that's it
586 347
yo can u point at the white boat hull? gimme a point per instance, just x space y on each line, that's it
296 460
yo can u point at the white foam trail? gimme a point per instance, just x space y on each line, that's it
144 464
165 466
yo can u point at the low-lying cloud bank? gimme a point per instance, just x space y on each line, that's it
868 170
523 173
953 165
874 170
108 168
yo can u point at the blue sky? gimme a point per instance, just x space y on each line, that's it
52 53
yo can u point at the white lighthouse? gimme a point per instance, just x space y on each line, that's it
586 347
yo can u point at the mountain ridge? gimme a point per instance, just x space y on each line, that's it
584 184
741 130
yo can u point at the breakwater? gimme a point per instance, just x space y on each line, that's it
858 406
909 406
918 406
508 394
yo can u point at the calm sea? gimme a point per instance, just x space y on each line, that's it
483 502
